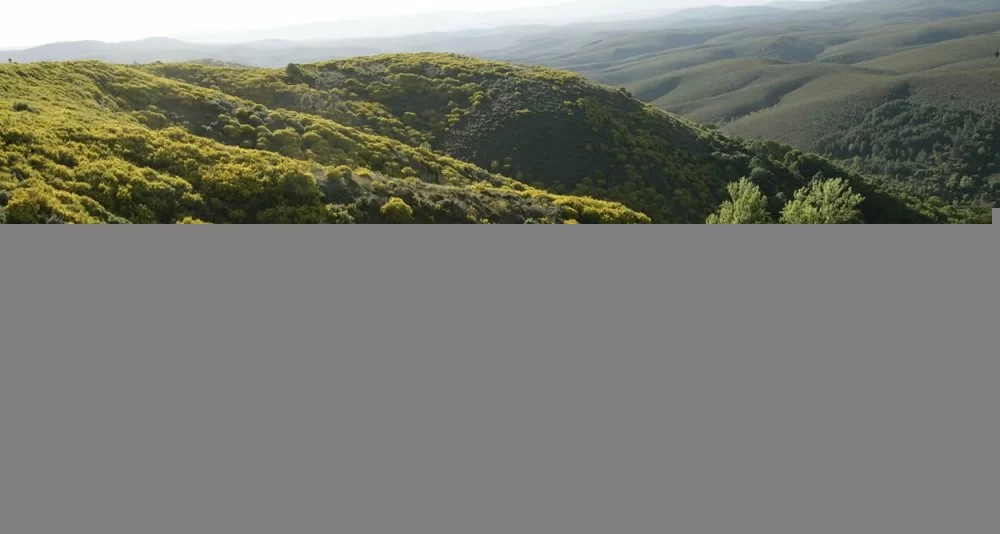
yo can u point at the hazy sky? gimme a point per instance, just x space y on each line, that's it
34 22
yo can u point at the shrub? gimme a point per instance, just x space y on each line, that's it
23 106
339 214
396 211
39 203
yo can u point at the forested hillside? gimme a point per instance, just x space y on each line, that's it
914 83
950 153
429 138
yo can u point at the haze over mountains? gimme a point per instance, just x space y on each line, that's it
563 13
500 34
318 27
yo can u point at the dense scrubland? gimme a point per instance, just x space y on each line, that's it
89 142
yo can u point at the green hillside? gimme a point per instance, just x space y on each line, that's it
812 106
426 138
832 71
918 35
549 128
89 142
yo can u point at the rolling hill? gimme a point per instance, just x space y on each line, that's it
402 138
552 129
88 142
831 71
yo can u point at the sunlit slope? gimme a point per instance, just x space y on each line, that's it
728 90
971 52
90 142
912 36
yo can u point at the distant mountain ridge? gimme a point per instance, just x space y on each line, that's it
491 35
570 12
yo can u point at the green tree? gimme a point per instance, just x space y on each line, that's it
824 202
747 205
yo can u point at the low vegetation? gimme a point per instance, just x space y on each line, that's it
411 138
111 144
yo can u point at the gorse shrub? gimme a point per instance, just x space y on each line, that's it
396 211
112 144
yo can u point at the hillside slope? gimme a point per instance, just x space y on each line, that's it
552 129
430 138
808 85
90 142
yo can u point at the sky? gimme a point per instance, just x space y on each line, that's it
36 22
